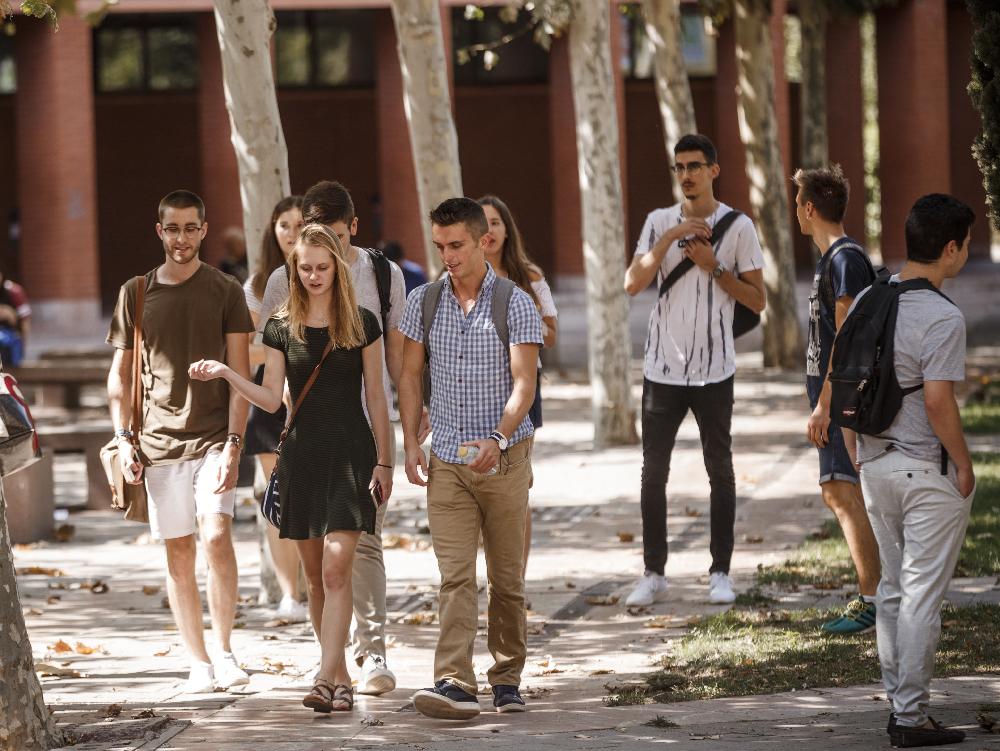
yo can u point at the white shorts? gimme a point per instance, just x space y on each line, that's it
179 493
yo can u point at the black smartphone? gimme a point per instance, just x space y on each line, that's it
377 495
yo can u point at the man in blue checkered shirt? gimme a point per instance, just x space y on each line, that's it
480 396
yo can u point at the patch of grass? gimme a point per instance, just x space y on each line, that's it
824 561
661 722
627 697
754 598
982 708
981 417
740 653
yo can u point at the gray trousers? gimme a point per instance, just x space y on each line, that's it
368 584
919 520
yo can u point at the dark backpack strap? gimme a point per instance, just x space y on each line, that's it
383 282
503 289
432 297
826 282
718 232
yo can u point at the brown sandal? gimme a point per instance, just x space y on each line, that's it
343 698
321 698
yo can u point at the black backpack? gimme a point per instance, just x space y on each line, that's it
865 393
383 283
503 289
826 282
744 319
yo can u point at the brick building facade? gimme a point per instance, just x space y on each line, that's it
82 167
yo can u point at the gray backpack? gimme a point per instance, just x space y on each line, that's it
499 302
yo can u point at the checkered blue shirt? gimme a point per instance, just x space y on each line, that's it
470 369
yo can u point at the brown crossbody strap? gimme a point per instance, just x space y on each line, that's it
140 300
305 390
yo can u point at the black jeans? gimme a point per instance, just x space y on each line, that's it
663 409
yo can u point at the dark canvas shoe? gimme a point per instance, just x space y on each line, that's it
446 701
902 736
858 618
507 699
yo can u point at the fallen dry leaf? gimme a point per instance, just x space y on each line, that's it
32 611
112 710
688 511
752 539
57 585
269 637
150 589
24 546
163 653
570 585
61 647
405 542
53 599
165 603
83 649
603 600
39 571
276 623
48 669
274 666
97 587
705 737
535 693
988 723
626 537
64 532
536 629
370 721
602 671
419 619
144 714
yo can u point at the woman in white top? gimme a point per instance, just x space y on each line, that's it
264 428
505 252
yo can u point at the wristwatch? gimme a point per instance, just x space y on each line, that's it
501 439
718 271
124 433
235 438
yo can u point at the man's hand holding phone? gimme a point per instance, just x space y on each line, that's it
129 458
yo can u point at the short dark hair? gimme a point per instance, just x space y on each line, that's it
181 199
392 250
698 142
461 210
934 221
827 189
327 202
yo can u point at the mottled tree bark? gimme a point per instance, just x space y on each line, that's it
25 722
673 90
815 147
768 180
603 223
244 28
428 108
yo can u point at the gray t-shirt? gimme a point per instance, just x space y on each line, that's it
366 292
930 346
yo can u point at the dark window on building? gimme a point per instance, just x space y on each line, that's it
148 52
637 50
521 60
8 68
325 48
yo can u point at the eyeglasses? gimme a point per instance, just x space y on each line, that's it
189 230
692 168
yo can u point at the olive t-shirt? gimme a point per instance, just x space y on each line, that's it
181 323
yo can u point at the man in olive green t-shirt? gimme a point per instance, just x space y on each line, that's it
189 444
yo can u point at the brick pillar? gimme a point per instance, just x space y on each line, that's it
567 230
220 176
733 186
57 175
913 112
845 115
617 50
965 124
401 220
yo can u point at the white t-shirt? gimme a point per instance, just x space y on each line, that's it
690 339
545 300
366 293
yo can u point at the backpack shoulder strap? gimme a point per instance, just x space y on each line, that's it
383 282
723 225
140 303
827 280
503 289
718 232
920 283
432 297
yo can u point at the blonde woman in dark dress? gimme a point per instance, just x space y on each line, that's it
331 467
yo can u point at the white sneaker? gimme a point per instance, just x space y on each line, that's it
720 589
376 678
649 589
201 679
291 610
228 672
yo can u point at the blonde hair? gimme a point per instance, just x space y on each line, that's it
345 327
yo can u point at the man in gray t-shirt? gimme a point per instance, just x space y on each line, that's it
917 504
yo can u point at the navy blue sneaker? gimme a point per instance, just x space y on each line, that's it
446 701
507 699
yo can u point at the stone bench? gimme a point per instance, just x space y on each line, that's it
87 438
58 383
29 494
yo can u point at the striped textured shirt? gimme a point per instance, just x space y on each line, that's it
470 368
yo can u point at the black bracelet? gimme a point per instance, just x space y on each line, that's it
387 466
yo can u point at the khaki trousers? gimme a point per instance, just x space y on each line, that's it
368 584
460 505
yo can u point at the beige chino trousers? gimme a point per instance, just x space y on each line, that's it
460 505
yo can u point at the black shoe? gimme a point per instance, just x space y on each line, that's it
507 699
446 701
903 736
892 723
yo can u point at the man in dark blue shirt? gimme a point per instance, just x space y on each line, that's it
842 272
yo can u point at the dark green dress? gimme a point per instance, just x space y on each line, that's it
327 459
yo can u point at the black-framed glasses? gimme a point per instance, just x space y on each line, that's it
190 230
692 168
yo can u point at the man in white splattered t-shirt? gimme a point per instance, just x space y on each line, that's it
690 363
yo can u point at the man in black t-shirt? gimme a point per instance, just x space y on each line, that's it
842 272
